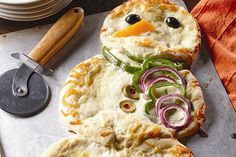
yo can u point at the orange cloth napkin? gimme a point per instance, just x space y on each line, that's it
217 19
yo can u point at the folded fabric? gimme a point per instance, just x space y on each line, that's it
217 19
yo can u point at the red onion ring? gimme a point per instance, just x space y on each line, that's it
162 115
164 98
158 79
156 69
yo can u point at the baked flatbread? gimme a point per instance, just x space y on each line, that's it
151 36
115 114
117 134
97 85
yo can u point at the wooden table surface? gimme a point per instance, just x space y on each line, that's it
90 7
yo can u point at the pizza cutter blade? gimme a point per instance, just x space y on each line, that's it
23 91
32 102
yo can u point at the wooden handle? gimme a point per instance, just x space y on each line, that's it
57 36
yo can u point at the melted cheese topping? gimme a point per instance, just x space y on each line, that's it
116 134
96 85
81 100
165 41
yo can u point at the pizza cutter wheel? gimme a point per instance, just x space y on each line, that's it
23 91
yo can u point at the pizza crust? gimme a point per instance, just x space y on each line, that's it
175 44
195 96
113 133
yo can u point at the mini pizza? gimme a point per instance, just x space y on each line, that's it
161 91
117 134
151 28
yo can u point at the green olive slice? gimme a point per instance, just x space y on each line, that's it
127 106
130 92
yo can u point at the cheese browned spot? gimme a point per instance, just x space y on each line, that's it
76 122
169 7
146 43
195 83
103 29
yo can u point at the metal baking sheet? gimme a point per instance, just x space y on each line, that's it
29 137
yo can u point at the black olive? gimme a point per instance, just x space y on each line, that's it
132 19
172 22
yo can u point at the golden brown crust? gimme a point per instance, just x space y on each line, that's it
172 55
200 116
197 102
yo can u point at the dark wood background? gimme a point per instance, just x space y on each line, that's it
90 7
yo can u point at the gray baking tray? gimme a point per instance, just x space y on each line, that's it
29 137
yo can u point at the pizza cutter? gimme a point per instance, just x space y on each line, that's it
23 91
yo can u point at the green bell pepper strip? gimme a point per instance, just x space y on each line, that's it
156 62
180 65
132 57
135 80
164 84
138 74
149 105
114 60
